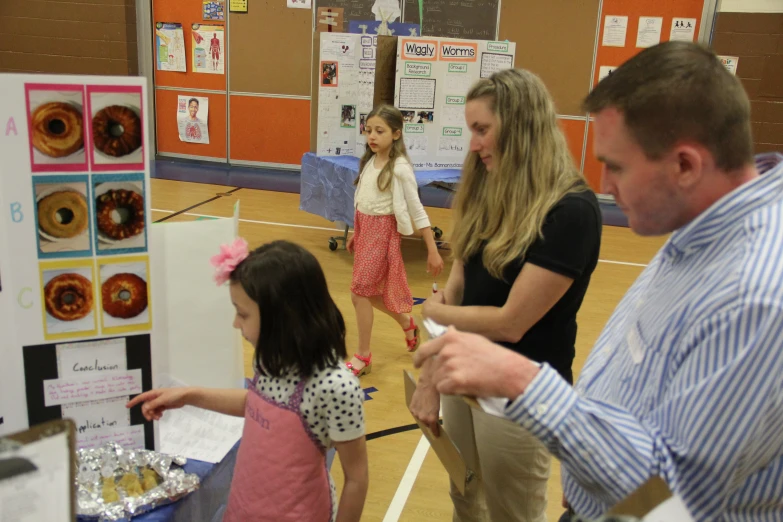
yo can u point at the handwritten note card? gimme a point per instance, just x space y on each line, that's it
129 437
77 359
199 434
92 387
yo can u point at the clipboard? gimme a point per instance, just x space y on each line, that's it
444 447
40 432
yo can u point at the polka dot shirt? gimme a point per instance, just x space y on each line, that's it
332 402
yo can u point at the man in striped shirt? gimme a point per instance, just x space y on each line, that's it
686 380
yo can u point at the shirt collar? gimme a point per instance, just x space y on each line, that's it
731 208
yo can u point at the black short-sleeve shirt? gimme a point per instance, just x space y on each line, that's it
570 245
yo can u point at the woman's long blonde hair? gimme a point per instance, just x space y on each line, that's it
504 210
393 118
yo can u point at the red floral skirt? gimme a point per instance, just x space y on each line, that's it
378 269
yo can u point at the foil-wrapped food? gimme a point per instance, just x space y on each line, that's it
116 483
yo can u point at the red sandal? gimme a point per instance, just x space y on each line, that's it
364 370
413 344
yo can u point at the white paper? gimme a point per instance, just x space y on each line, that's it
615 29
170 44
683 29
129 437
416 144
452 146
458 84
193 119
77 359
300 4
44 494
208 49
417 93
494 406
649 31
386 11
730 63
673 510
93 416
604 71
493 62
199 434
94 387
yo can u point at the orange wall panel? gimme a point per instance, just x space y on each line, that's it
270 130
168 134
187 13
633 9
593 167
574 131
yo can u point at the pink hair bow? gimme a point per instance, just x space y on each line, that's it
228 259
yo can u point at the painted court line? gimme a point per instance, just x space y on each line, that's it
406 484
341 230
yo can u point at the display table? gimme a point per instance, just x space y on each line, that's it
327 187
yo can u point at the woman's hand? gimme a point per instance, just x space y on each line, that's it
349 244
438 298
434 263
155 402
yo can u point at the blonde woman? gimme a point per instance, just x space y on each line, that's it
526 237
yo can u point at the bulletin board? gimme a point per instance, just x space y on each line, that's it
276 46
78 281
555 40
187 13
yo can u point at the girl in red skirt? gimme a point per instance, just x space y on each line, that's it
387 205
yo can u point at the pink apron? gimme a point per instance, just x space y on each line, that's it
280 472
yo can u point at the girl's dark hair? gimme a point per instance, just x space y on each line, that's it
302 329
193 100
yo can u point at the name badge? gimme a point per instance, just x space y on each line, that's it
635 345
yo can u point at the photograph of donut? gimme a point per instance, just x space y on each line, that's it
116 127
55 122
120 213
125 295
62 216
68 297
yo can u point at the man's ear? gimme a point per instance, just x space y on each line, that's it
690 163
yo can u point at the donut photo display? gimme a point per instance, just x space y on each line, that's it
124 295
119 214
116 127
56 127
69 300
62 216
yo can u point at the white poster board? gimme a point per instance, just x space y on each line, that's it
433 78
76 284
345 92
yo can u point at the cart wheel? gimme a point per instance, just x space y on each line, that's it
438 232
332 244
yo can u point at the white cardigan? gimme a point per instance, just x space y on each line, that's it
402 200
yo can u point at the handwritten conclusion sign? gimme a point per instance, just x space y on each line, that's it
101 386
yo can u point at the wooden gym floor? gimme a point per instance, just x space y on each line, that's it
407 482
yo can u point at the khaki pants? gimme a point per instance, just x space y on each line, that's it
511 465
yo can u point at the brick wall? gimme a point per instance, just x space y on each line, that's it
68 36
757 40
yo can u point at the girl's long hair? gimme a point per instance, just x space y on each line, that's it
504 210
393 118
302 329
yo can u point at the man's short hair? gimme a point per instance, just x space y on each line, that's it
675 92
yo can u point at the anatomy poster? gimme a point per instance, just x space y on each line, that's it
208 49
170 47
433 78
193 118
76 300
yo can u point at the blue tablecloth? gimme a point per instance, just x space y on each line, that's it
327 187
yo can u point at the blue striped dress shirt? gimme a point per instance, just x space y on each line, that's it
686 379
